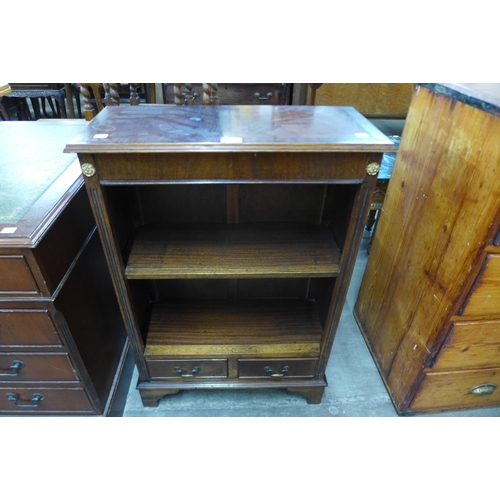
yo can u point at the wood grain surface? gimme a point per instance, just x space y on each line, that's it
233 251
163 128
441 202
375 100
236 327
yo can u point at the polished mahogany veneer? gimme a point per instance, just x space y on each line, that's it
231 234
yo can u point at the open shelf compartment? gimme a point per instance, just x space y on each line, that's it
256 327
193 251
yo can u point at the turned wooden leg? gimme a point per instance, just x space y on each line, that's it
312 394
151 397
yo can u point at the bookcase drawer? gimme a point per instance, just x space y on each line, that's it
276 368
188 368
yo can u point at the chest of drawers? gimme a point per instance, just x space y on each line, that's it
62 340
429 303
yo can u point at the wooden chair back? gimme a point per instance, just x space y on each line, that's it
184 96
93 91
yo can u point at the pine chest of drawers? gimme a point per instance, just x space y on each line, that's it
429 303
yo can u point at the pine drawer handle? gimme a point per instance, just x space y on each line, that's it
268 96
35 400
270 371
14 369
193 373
483 390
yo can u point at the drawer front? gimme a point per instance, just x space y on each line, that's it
235 93
20 367
470 345
485 296
469 389
31 327
277 368
260 94
43 400
16 277
187 368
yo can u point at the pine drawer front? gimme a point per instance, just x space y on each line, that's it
23 327
456 390
470 345
485 298
34 399
187 369
27 367
16 277
277 368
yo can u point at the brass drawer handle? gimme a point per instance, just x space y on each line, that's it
270 371
193 373
483 390
14 369
35 400
268 96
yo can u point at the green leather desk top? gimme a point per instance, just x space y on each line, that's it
32 162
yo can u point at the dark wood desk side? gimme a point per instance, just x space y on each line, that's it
59 320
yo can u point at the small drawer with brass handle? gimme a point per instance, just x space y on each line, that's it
28 367
44 400
457 390
187 368
277 368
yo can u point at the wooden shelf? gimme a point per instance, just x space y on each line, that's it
194 251
276 327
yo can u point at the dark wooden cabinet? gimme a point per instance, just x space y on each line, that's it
231 233
429 303
62 339
237 93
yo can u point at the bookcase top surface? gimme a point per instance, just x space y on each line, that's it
166 128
